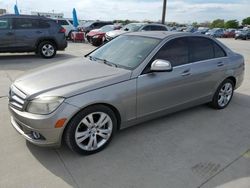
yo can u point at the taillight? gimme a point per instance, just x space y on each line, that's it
62 30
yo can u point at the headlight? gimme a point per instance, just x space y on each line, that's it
44 105
96 36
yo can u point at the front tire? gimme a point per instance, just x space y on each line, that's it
91 130
47 49
223 95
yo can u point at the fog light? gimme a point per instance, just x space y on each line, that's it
36 135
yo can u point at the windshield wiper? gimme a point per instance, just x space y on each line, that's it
103 60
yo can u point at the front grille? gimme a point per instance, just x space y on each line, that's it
16 98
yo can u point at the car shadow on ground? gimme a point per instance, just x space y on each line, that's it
156 146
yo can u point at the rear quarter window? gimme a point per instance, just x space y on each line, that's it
218 51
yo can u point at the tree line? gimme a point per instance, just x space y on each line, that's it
218 23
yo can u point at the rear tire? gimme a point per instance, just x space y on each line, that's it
47 49
91 130
223 95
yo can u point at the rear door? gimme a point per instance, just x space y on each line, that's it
7 34
208 62
27 32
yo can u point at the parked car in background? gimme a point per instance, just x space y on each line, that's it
97 36
88 26
67 24
190 29
216 32
181 29
133 27
131 79
202 30
244 34
24 33
229 33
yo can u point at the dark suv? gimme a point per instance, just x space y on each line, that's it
23 33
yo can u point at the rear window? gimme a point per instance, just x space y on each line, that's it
203 49
20 23
200 49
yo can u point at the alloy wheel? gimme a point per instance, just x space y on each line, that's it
225 94
93 131
48 50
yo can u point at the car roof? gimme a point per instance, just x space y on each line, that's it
163 34
155 24
23 16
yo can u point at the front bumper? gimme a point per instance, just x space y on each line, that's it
26 123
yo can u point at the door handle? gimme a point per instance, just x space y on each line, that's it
220 64
186 72
38 32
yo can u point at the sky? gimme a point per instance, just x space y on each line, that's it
182 11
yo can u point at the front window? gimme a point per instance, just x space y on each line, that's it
4 24
125 51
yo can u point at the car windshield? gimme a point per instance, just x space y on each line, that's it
125 51
132 27
107 28
87 24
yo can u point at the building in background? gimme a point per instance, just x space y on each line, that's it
48 14
2 11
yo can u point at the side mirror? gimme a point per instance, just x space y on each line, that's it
160 65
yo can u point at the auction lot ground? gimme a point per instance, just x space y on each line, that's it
199 147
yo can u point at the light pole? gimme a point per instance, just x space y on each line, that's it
164 11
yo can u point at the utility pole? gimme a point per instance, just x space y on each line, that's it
164 11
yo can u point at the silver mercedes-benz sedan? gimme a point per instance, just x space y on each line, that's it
133 78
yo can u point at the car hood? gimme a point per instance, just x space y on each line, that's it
93 33
70 78
115 33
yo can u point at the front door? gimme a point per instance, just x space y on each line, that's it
157 91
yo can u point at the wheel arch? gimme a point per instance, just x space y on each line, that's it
39 41
113 108
233 79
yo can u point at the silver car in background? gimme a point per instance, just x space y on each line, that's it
134 78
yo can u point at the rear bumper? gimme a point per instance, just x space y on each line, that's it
62 45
